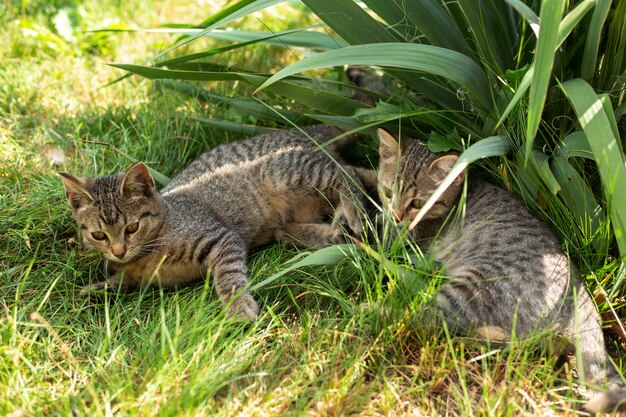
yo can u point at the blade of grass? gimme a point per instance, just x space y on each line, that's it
409 279
160 178
579 199
565 28
330 255
350 21
249 107
527 13
236 11
427 16
549 19
248 130
296 37
592 43
313 97
620 111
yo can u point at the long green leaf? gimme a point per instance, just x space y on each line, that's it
430 59
350 21
427 16
613 57
489 29
575 144
607 152
312 97
485 148
250 107
182 60
357 27
549 19
331 255
610 114
295 37
579 199
527 13
248 130
234 12
543 166
592 43
565 28
395 18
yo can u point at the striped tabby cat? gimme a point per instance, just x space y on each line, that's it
235 197
507 269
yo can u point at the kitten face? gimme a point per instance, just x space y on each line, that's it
408 174
118 215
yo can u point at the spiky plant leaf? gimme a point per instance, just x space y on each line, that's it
430 59
606 149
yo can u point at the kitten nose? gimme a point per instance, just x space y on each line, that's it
118 249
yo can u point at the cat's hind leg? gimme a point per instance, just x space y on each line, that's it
467 306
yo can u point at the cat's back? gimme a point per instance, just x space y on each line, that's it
237 158
498 233
253 186
496 217
511 260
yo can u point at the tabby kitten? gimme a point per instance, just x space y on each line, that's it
506 267
235 197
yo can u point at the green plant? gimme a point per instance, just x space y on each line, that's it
555 99
315 350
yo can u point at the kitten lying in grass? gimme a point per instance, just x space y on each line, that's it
235 197
508 272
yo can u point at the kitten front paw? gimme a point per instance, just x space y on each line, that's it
98 286
112 283
244 307
348 218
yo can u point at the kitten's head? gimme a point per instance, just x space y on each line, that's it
119 215
409 173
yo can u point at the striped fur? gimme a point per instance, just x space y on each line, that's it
235 197
508 272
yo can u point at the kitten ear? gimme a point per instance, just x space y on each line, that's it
442 166
137 181
389 146
76 191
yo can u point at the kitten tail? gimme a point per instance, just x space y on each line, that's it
598 370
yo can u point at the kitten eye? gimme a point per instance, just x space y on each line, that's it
417 204
98 235
388 193
132 228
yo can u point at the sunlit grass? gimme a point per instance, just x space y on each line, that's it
318 348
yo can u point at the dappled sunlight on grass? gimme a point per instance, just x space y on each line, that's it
317 350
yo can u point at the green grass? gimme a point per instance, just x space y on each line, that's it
315 351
